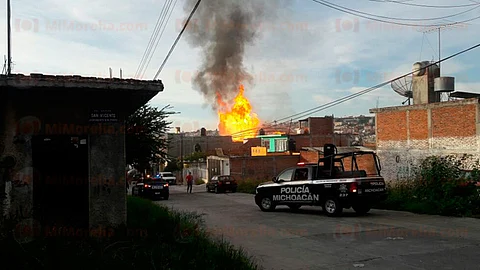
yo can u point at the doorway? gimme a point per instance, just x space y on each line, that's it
61 192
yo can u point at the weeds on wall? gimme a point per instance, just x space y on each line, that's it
440 185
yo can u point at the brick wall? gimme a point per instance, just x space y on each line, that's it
321 140
408 134
392 126
207 144
260 168
309 156
364 162
321 125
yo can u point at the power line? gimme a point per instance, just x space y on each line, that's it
176 41
158 40
426 6
406 19
140 65
327 4
153 37
349 97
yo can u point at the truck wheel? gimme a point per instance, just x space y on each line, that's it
294 207
332 207
361 209
266 204
208 190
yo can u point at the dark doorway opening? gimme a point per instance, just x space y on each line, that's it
61 190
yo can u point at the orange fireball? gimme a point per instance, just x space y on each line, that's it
237 119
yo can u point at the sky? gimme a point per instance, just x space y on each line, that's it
305 54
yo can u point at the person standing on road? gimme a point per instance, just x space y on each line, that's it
189 182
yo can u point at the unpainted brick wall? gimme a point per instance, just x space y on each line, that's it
260 168
392 126
404 138
309 156
321 125
364 162
321 140
454 121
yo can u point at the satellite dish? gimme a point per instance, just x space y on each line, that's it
403 87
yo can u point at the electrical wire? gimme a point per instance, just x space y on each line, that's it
390 22
349 97
404 19
176 40
426 6
158 40
152 38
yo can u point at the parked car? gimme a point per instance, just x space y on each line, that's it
168 177
222 183
151 188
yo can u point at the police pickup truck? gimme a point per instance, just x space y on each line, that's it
338 181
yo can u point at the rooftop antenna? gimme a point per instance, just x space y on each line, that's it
4 70
9 39
448 26
111 75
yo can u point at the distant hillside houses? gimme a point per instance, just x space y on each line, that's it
357 125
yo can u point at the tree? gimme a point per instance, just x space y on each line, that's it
146 141
173 165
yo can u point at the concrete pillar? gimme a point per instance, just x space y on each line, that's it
108 205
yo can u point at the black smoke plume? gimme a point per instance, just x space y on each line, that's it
223 29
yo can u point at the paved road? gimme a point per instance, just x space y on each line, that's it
309 240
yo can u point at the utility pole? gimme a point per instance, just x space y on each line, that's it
439 50
9 39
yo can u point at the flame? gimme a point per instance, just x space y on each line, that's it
238 118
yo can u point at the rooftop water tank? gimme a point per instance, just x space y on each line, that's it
419 68
444 84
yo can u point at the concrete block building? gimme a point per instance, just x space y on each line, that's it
62 148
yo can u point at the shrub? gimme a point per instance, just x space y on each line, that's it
248 186
439 186
199 182
171 240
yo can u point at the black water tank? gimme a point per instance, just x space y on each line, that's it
203 132
328 152
198 148
261 132
292 145
328 149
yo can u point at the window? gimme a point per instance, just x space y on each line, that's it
281 145
266 143
301 174
286 175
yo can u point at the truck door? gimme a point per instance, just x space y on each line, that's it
294 187
283 180
302 186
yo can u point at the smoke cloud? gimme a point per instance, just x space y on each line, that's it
223 29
